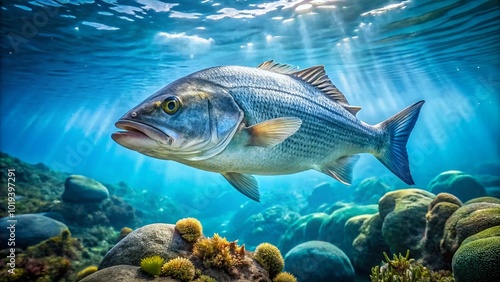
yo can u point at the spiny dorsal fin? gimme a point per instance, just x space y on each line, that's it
316 76
271 65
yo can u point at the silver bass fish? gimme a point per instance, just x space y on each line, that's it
268 120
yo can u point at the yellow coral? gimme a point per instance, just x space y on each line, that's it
179 268
190 228
152 265
204 278
218 252
269 256
285 277
86 272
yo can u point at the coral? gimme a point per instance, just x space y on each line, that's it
190 229
218 252
152 265
440 209
489 232
86 272
403 215
285 277
179 268
369 244
478 260
269 256
35 268
466 221
124 232
403 269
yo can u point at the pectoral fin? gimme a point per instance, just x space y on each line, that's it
246 184
271 132
341 169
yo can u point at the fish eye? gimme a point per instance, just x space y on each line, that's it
171 105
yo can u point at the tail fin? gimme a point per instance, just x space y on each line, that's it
397 129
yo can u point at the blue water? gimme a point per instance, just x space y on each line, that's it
70 69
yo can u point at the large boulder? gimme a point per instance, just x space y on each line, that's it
320 262
29 230
440 209
81 189
460 184
403 215
478 260
151 240
368 246
467 221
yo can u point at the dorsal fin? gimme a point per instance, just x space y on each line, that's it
271 65
316 76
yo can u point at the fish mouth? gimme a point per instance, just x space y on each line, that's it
134 130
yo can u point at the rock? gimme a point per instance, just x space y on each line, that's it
332 229
368 246
460 184
302 230
478 260
440 209
124 273
150 240
467 221
483 200
323 193
319 261
352 228
81 189
369 191
30 229
265 225
403 214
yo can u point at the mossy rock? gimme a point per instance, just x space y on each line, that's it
302 230
486 199
458 183
478 260
490 232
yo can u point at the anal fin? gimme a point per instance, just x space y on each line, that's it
244 183
341 168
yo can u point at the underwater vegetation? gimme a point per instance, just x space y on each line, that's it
270 257
179 268
152 265
444 233
403 269
190 228
218 252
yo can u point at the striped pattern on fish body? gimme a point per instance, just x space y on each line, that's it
328 131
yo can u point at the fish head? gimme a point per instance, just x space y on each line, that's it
190 119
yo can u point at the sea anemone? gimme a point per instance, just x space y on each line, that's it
190 229
152 265
218 252
179 268
86 272
285 277
269 256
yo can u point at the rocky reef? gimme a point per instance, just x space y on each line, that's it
75 228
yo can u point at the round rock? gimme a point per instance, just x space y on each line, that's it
320 262
29 230
157 239
81 189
